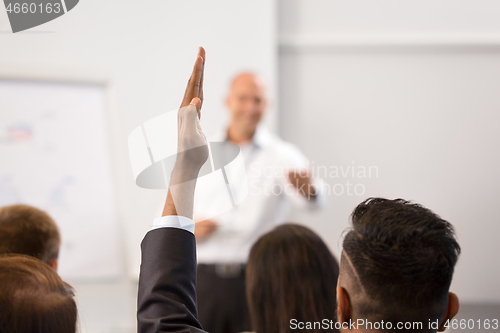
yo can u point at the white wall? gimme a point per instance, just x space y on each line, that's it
425 114
411 87
326 17
145 51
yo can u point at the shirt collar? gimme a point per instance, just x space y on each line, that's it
262 137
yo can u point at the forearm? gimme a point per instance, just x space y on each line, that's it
180 197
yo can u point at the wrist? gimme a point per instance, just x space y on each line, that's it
184 170
187 165
192 159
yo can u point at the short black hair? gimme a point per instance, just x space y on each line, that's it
404 256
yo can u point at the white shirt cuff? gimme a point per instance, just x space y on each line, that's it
174 221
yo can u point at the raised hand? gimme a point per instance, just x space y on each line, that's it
192 149
195 84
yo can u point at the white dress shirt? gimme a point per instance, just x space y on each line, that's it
270 195
174 221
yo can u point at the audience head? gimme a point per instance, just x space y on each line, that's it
291 274
33 298
397 265
246 102
30 231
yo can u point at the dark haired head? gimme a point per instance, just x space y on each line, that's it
397 262
33 298
291 274
27 230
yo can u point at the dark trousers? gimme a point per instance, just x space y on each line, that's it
222 305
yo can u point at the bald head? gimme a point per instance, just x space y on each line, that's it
247 78
246 102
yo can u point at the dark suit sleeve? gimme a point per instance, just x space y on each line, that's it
167 282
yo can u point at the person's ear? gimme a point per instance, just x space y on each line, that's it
53 265
343 306
451 311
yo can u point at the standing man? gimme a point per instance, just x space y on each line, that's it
277 175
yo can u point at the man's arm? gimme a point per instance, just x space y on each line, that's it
204 229
167 282
302 180
310 189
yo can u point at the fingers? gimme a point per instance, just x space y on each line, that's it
189 122
299 173
200 93
195 84
187 117
197 102
201 52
